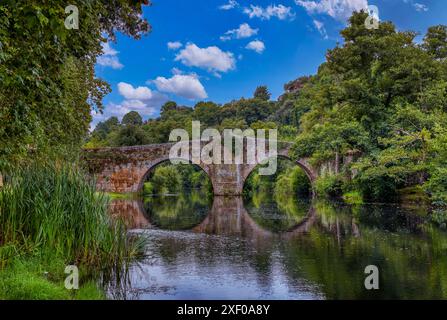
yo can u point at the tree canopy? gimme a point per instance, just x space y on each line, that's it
48 83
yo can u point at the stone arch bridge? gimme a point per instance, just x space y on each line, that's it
124 169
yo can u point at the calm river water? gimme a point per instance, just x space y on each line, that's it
265 248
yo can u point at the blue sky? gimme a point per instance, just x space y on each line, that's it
221 50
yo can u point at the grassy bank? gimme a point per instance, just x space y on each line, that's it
51 217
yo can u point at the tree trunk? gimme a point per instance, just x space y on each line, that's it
337 162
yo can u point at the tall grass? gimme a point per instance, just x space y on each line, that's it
53 208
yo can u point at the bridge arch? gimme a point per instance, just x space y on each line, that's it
161 160
302 163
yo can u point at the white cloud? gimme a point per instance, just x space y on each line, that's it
145 108
244 31
257 46
279 11
320 27
230 5
174 45
112 62
337 9
131 93
420 7
120 109
108 50
212 58
141 99
109 58
186 86
176 71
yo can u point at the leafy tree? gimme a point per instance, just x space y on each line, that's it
167 107
435 41
129 136
207 113
132 118
103 129
379 95
48 83
262 93
233 123
166 179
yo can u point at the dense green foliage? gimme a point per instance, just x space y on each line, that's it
256 113
47 79
382 98
289 180
168 178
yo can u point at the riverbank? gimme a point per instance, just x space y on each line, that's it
52 217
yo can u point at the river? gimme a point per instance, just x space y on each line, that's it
270 247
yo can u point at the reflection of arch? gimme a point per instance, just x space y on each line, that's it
159 161
228 216
302 163
131 212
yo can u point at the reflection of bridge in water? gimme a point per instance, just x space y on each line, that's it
227 217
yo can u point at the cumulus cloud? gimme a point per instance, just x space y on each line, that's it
131 93
146 108
141 99
277 11
244 31
257 46
186 86
174 45
337 9
212 58
230 5
109 58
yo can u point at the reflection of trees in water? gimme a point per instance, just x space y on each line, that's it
179 212
335 253
278 212
338 243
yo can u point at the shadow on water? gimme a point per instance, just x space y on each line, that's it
280 249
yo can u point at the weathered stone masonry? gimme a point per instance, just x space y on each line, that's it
124 169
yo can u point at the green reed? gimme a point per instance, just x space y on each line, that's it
53 209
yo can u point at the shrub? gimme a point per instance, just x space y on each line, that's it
437 186
439 218
353 197
329 186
